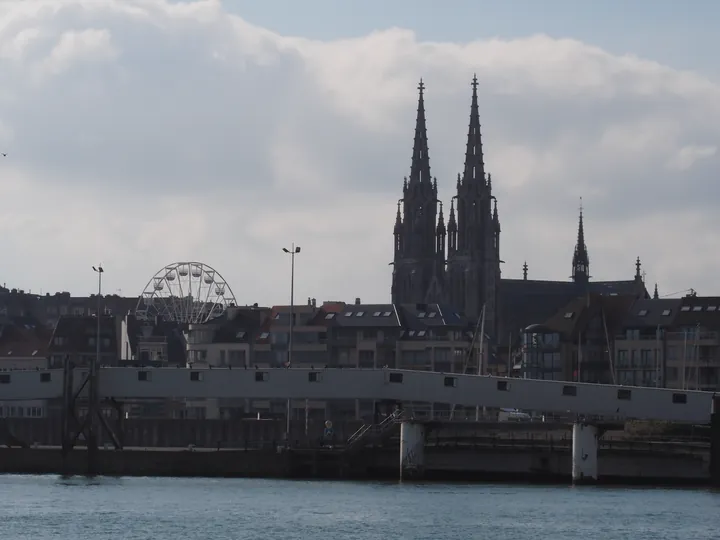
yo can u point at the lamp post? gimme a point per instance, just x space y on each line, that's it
93 411
292 252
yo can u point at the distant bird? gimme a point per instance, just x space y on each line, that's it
4 155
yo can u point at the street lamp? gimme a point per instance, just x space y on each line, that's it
93 411
99 270
292 252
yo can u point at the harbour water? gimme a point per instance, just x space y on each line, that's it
45 507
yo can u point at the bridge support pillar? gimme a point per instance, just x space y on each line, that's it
715 442
412 450
584 453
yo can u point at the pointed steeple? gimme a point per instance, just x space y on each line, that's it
398 219
581 260
474 164
420 167
441 221
452 229
656 296
525 270
638 270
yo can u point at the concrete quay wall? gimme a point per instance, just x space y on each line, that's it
465 463
147 462
528 464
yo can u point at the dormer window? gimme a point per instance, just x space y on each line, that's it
666 312
685 308
348 313
642 312
359 313
697 308
329 316
569 314
712 308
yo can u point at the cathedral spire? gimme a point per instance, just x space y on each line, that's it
420 167
474 165
581 261
655 294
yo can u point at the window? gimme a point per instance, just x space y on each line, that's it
377 313
146 376
359 313
386 314
680 399
433 314
348 313
685 308
569 314
4 378
277 316
411 333
503 386
395 377
642 312
422 315
697 308
666 312
240 335
712 308
569 390
261 376
329 316
196 376
421 333
450 382
624 394
264 335
45 377
314 376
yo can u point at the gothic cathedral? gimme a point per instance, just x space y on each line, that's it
457 263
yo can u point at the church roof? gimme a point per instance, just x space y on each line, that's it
524 302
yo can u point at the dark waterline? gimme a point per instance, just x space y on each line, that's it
79 508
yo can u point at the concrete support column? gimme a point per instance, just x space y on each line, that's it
412 450
715 442
584 454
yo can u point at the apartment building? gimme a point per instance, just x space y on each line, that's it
672 343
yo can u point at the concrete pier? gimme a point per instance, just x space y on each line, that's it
584 454
412 450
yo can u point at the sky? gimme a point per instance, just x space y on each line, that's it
140 133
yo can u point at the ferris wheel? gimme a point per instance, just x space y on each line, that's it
185 292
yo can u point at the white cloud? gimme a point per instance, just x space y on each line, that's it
161 132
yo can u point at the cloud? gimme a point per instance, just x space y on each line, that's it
140 132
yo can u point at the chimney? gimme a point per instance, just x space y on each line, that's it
314 302
357 301
309 301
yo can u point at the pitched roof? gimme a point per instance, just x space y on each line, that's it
699 310
524 302
23 337
575 316
652 313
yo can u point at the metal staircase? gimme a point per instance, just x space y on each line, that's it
373 433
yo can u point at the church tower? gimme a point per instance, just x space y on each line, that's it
473 266
419 232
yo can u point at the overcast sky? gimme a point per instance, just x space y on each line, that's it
143 132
